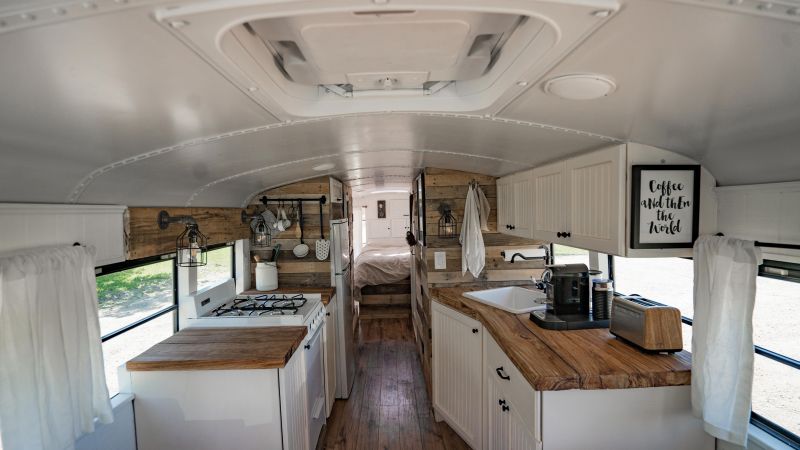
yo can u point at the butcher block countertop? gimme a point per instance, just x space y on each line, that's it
222 349
326 291
577 359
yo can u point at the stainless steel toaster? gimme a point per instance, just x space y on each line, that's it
650 326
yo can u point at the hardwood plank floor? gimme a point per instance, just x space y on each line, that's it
389 406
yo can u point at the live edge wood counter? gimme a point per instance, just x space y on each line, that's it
576 359
222 349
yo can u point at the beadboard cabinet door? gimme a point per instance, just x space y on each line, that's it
505 203
457 372
522 192
549 186
596 203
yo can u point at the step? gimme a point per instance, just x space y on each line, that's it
368 312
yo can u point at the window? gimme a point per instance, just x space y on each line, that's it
776 382
218 269
137 304
570 255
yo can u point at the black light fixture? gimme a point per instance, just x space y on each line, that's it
261 236
448 224
191 246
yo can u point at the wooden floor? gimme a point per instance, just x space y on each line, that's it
389 406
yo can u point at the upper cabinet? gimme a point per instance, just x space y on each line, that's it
580 202
515 202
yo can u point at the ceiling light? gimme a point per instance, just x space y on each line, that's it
522 83
580 86
324 166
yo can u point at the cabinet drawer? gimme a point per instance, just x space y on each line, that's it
513 384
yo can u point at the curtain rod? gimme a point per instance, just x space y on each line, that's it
772 244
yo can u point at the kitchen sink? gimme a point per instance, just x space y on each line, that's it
513 299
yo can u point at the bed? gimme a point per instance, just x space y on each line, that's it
385 266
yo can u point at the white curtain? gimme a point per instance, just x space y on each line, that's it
52 382
473 253
725 271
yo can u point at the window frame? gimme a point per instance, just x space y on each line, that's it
770 427
133 264
211 248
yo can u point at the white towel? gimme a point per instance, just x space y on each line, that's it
484 208
52 382
725 271
473 253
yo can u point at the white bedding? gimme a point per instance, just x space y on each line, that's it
382 265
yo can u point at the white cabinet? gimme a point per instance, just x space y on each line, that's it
294 404
457 372
329 341
515 201
580 202
511 407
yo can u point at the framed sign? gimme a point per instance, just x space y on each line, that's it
381 209
665 206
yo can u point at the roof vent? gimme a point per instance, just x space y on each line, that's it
580 86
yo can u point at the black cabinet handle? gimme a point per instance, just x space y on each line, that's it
474 330
501 402
505 408
567 234
327 314
508 227
307 347
501 373
513 227
559 234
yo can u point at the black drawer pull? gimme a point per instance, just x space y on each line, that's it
474 330
567 234
307 347
328 314
501 402
505 408
501 373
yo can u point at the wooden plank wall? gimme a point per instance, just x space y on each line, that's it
450 186
293 271
144 238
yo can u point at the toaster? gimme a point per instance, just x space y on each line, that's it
650 326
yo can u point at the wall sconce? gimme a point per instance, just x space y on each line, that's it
261 236
191 246
448 224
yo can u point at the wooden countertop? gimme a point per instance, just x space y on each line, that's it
577 359
326 291
222 349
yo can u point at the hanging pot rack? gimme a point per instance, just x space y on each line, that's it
321 200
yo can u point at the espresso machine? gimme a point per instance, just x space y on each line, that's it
568 301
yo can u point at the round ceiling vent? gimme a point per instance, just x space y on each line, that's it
580 86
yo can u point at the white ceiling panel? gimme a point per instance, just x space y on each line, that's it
80 94
230 168
721 87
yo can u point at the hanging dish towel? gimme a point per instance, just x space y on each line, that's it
52 382
473 253
484 208
725 271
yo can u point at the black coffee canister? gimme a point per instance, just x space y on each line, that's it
602 294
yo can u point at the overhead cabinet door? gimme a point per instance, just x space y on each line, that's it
522 207
504 205
596 187
549 185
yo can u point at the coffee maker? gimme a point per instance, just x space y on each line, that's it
568 303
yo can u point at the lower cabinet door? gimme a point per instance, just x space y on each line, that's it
330 356
294 400
520 435
457 372
496 424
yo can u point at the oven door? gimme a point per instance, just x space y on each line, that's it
315 383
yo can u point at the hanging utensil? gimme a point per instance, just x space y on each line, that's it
301 249
323 245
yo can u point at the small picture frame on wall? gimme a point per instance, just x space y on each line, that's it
381 209
665 206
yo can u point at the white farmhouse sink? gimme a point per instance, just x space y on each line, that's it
513 299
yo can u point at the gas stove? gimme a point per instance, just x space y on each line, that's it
219 306
261 305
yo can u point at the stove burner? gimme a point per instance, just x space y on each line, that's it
262 305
